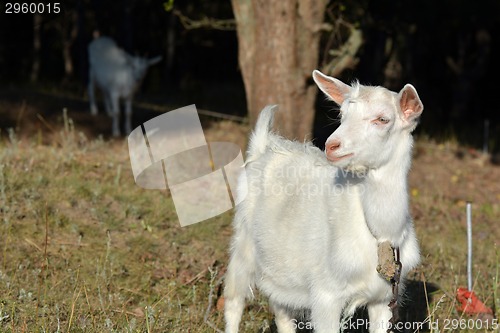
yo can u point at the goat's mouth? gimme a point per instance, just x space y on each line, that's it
333 158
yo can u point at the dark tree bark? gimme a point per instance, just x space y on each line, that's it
37 44
278 50
69 31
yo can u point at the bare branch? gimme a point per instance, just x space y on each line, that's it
213 284
342 43
345 56
206 22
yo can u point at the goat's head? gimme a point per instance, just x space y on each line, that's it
140 66
375 122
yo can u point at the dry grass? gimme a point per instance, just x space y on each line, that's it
83 249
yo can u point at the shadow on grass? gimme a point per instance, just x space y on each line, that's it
413 313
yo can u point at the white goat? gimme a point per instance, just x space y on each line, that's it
308 231
118 75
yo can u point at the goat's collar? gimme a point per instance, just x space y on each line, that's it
357 170
389 267
395 280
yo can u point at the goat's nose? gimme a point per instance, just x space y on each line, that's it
332 146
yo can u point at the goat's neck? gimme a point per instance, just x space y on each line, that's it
385 197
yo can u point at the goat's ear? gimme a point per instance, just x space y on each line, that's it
335 89
410 103
154 60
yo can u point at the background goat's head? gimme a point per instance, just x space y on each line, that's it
375 123
140 66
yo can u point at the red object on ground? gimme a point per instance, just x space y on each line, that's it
470 304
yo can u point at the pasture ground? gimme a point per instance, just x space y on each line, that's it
83 249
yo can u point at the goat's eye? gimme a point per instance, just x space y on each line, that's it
382 120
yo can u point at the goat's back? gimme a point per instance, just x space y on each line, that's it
103 52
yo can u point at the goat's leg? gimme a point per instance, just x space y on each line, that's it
115 107
326 312
128 115
238 285
233 309
108 104
379 315
283 320
240 277
91 92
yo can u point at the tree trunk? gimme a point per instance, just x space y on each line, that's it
68 29
37 44
68 39
278 50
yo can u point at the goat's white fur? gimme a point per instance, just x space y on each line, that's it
118 75
306 235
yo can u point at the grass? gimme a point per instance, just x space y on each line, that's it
83 249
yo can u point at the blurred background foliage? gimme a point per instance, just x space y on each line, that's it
447 49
